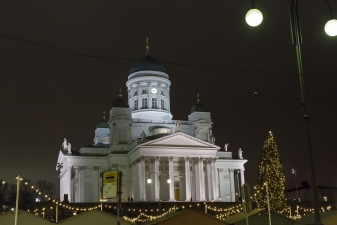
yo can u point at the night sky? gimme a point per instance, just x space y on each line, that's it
48 94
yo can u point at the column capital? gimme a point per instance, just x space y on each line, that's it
214 159
187 158
231 170
170 158
157 158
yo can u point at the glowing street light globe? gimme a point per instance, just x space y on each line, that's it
331 27
169 181
254 17
149 181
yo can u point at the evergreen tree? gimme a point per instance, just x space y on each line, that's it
270 171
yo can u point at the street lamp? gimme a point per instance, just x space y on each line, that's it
295 174
149 181
330 29
59 167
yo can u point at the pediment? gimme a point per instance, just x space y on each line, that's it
179 139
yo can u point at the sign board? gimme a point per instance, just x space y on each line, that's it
109 182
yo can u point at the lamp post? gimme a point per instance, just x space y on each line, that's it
59 167
295 174
149 181
331 30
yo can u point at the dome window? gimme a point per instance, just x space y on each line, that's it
154 103
144 103
136 104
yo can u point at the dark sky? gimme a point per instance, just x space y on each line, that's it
48 94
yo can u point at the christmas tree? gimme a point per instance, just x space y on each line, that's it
270 172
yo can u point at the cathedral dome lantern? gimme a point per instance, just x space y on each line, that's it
149 89
199 107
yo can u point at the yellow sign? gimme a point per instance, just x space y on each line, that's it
110 179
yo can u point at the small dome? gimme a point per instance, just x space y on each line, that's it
103 124
147 63
121 103
199 107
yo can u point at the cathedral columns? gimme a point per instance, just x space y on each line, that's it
209 180
135 181
156 179
141 175
232 185
187 179
158 95
68 183
242 177
149 102
171 175
215 181
139 93
199 179
81 182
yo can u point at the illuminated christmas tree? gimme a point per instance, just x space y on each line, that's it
270 171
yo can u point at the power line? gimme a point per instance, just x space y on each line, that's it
110 59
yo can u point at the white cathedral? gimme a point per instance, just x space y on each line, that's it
140 139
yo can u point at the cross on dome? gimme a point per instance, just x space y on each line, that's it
147 45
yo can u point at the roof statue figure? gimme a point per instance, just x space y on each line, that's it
120 93
198 100
178 125
226 147
213 140
64 144
103 114
69 147
240 153
143 135
147 45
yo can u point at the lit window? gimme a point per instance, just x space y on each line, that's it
325 198
162 103
144 103
154 103
136 104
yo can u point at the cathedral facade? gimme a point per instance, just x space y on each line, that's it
140 139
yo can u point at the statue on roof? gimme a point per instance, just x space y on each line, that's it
226 147
143 135
64 144
69 147
212 139
240 153
178 125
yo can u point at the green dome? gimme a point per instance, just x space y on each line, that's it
121 103
103 124
199 107
147 63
